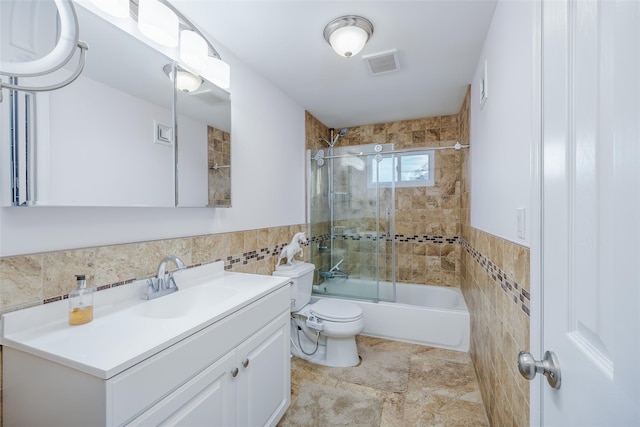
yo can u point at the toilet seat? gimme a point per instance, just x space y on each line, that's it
336 311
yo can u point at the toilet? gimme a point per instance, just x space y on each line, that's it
323 331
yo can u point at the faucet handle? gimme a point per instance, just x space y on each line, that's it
171 283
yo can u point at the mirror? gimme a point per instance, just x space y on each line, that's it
204 122
108 138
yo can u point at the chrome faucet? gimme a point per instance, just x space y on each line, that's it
163 283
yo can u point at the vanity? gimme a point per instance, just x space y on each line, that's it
214 353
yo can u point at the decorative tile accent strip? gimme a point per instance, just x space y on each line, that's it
427 238
517 293
383 236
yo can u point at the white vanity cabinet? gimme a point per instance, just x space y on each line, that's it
233 371
249 386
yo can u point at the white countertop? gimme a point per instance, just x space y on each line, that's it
126 329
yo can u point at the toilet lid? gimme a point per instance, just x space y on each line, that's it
335 310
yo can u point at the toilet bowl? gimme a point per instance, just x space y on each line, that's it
323 331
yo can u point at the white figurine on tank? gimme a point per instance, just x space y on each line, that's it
294 247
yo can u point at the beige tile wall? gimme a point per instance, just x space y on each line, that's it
314 131
219 158
33 279
427 219
495 283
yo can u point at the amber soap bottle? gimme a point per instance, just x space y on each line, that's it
81 303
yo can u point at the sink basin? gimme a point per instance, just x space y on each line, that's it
184 302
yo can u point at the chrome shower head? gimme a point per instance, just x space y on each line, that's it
342 132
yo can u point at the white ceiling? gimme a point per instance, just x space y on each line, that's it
439 44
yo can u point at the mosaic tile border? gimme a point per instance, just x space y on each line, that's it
520 296
400 238
256 255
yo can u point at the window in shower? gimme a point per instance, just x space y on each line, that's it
414 169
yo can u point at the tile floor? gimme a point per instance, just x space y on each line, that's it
442 390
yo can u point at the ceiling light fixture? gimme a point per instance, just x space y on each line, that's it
185 81
348 34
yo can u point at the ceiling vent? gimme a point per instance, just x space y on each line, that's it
383 62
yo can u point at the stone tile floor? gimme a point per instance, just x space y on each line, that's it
442 389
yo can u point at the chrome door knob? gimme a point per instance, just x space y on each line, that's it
234 372
549 366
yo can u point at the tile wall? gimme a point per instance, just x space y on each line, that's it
219 161
33 279
495 283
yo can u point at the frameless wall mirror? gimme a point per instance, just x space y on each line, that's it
109 138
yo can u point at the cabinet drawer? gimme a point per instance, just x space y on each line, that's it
139 387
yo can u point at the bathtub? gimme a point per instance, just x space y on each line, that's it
423 314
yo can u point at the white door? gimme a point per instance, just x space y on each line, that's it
591 211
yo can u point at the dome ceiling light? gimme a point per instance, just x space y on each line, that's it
348 34
185 81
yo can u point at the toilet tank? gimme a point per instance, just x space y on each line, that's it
301 275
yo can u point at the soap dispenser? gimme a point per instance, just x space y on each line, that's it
81 303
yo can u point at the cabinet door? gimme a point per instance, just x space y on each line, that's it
206 400
264 382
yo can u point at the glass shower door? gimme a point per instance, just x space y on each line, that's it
358 259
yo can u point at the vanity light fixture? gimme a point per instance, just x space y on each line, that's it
348 34
197 53
161 22
158 22
117 8
217 72
185 80
193 49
